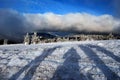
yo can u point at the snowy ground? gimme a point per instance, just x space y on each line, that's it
84 60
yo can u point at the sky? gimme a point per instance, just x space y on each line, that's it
96 7
21 16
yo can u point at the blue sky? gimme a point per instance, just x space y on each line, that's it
96 7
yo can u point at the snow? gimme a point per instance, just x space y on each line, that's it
83 60
15 61
100 44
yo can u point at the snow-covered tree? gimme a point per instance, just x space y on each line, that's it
110 36
35 39
27 39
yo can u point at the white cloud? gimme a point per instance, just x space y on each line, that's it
73 22
13 24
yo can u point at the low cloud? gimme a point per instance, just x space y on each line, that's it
14 24
73 22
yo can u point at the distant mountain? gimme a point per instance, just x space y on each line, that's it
45 34
62 34
40 33
52 34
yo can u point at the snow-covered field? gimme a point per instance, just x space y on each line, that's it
84 60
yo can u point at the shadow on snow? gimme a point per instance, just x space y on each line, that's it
110 75
70 69
32 66
108 53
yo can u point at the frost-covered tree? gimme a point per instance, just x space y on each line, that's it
110 36
35 39
27 39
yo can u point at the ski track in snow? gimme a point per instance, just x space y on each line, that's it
83 60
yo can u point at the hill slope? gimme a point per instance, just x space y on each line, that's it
85 60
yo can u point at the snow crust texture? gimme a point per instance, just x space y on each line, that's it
85 60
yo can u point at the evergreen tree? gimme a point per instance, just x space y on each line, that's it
27 39
35 38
